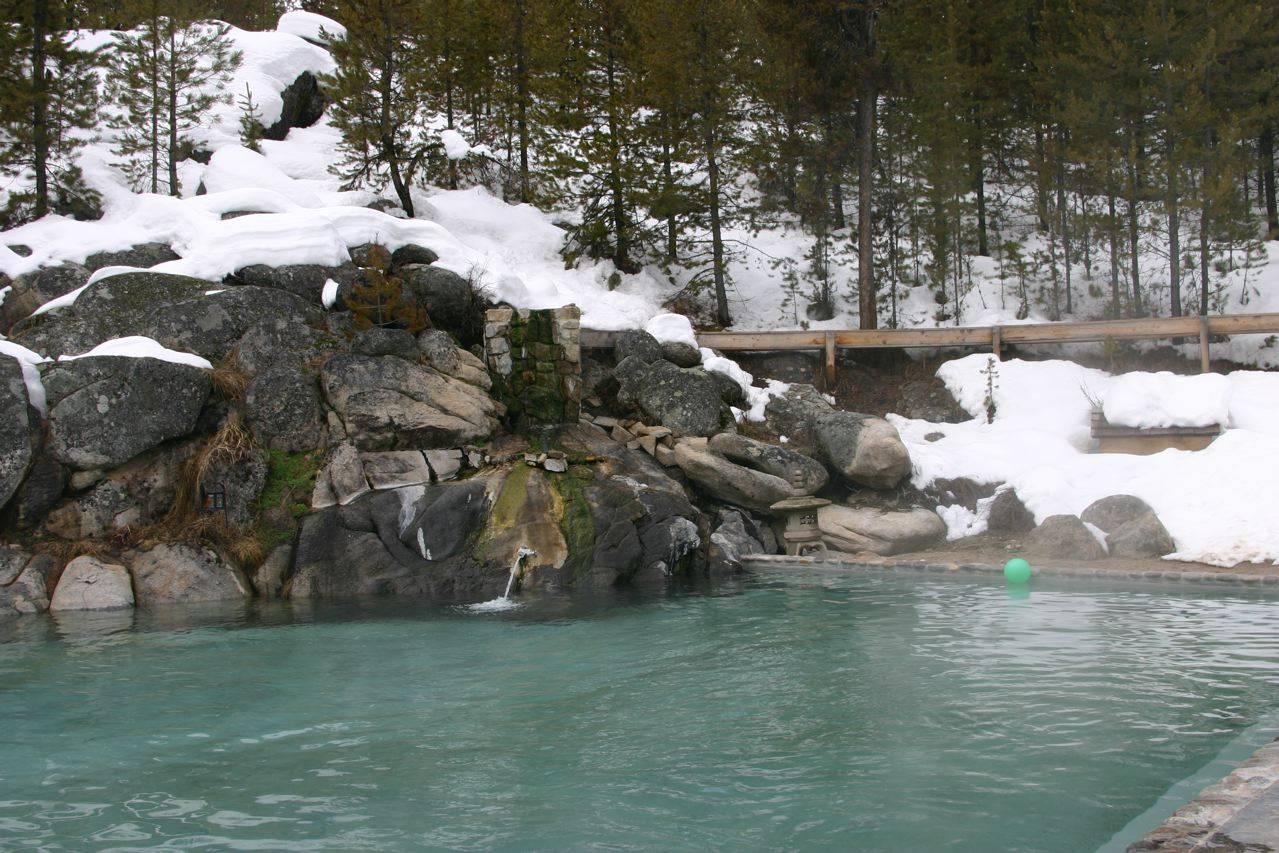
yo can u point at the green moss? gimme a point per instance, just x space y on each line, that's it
576 524
290 479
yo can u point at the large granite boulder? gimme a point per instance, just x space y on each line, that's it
303 280
142 255
105 410
452 302
283 341
681 354
45 482
181 313
302 103
388 403
181 573
1008 515
878 530
863 449
1143 536
688 402
638 343
22 582
19 428
31 290
377 341
729 482
730 543
1063 537
284 410
805 476
438 351
87 583
412 254
1112 512
793 412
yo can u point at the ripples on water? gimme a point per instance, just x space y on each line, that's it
812 711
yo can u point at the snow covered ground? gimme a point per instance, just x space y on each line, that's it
1219 504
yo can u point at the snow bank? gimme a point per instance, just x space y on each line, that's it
310 26
137 346
28 361
1149 400
672 328
1218 503
455 145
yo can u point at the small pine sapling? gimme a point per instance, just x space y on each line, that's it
992 384
250 120
378 300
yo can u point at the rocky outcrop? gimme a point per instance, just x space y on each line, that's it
284 409
139 492
1064 537
22 582
637 343
388 403
181 313
437 350
376 341
1143 536
142 255
727 481
302 280
805 476
688 402
31 290
731 541
451 301
303 104
105 410
90 584
172 573
878 530
412 254
793 412
863 449
681 354
19 428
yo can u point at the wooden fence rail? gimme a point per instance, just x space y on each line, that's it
992 337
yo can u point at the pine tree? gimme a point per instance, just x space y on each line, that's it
48 102
250 120
377 93
379 300
166 74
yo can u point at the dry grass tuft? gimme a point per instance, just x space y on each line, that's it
229 383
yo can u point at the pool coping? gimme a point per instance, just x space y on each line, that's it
859 562
1238 812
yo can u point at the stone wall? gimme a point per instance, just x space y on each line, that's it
535 359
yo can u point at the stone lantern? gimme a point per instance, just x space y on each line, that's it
803 536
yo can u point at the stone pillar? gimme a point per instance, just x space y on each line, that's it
535 359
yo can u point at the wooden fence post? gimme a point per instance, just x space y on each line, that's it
996 342
830 360
1205 364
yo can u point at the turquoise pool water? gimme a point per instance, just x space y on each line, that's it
798 712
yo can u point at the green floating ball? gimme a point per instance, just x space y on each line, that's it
1017 570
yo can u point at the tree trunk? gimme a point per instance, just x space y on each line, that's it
1041 179
40 105
521 95
155 105
1134 220
1063 217
867 311
1112 227
979 184
617 206
171 108
668 189
389 150
1267 174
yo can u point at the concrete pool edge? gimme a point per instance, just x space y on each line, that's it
1238 812
1192 574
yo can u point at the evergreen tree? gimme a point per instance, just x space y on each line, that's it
250 120
166 74
379 300
377 94
48 104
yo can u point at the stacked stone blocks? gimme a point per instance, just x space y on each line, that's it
535 359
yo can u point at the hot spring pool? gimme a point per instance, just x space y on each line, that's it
795 711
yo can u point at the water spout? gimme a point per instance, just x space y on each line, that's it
515 569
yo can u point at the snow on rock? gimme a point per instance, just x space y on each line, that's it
234 167
137 346
1149 400
310 26
329 296
1218 503
672 328
28 360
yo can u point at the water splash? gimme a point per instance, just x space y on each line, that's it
505 602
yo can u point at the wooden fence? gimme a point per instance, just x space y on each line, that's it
982 337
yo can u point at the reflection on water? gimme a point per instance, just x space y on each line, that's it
810 710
